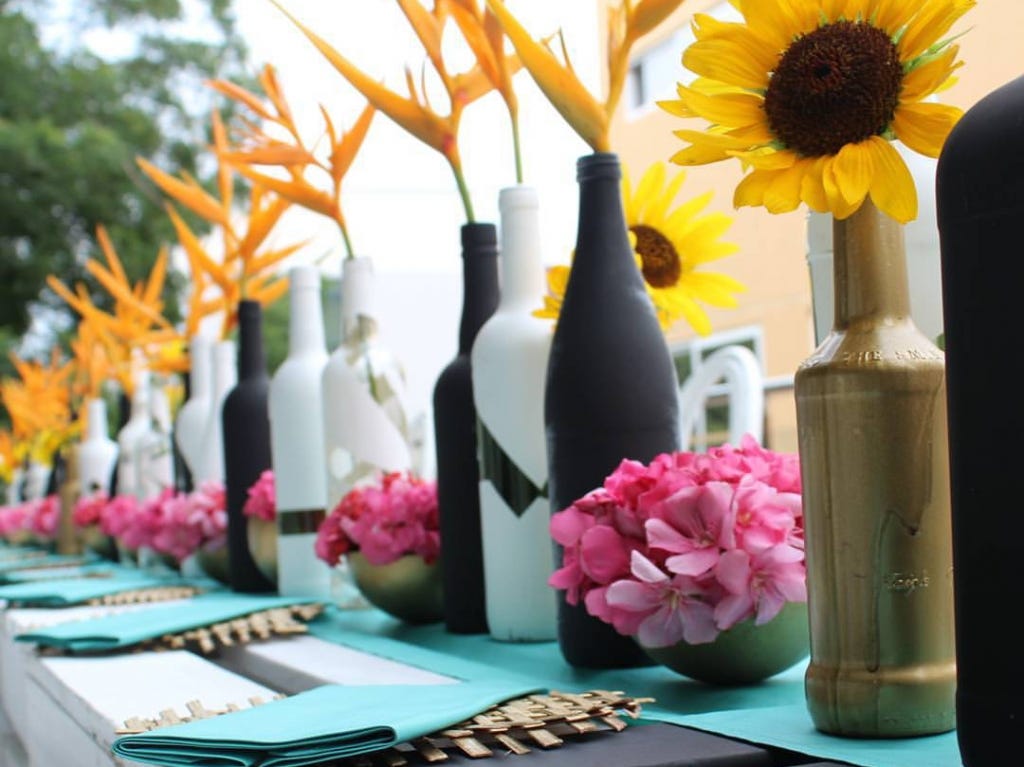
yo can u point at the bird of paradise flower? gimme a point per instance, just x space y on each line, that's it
414 113
247 270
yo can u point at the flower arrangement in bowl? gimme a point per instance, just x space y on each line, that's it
86 516
388 532
174 524
699 556
260 511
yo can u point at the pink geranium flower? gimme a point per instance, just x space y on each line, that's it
260 500
42 517
687 546
384 521
89 509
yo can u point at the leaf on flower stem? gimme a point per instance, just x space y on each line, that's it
262 219
270 85
270 293
240 94
155 284
276 153
191 195
407 113
297 190
343 152
648 14
122 293
429 30
270 258
559 83
199 259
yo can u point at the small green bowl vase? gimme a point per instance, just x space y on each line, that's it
408 588
744 654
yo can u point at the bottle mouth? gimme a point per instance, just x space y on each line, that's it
598 165
479 234
517 198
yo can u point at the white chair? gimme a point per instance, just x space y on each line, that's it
733 371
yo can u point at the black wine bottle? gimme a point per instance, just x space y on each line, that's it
458 473
980 207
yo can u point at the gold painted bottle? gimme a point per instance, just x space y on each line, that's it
871 413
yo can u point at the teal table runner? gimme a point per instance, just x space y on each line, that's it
323 724
772 713
112 632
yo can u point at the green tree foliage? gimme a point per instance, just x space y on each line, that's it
87 86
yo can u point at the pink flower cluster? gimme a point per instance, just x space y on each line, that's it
37 517
688 546
174 523
384 521
261 499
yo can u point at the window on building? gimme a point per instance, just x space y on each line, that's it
653 74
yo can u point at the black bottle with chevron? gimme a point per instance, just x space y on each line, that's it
510 358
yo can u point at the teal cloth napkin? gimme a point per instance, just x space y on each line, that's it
42 563
61 592
59 573
112 632
323 724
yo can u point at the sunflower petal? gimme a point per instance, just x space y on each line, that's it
924 127
930 75
854 168
892 188
783 193
930 24
838 205
732 109
751 190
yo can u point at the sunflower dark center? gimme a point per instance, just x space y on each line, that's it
660 260
834 86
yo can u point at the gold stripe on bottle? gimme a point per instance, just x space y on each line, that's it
299 521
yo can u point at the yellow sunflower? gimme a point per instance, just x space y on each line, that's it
808 95
670 244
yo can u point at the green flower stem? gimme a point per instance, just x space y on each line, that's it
349 253
518 150
467 204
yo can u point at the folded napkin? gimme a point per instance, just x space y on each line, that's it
321 725
61 592
111 632
43 562
99 568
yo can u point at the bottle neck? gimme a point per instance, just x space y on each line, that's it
522 270
97 428
479 280
603 252
358 322
305 320
225 368
251 361
199 376
869 267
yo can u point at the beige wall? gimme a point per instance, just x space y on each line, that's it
771 260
